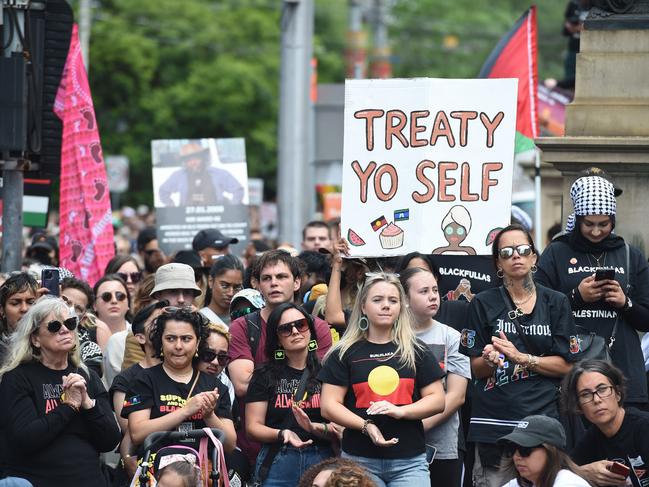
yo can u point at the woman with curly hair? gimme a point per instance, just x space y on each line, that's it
175 395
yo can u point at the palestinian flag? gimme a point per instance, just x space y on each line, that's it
36 202
515 57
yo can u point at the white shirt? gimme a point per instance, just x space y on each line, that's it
565 478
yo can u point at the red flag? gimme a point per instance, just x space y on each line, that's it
86 242
515 57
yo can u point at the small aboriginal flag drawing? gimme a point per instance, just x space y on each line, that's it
400 215
379 223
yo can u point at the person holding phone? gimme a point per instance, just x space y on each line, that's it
615 449
518 339
616 306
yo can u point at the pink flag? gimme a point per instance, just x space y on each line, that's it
86 231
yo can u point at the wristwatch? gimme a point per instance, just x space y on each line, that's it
627 304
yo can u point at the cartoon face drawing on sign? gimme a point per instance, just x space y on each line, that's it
456 225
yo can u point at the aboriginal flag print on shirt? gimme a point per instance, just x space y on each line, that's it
384 384
373 372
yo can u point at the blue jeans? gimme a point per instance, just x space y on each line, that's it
395 472
290 463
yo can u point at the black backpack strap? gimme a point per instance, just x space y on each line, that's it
253 323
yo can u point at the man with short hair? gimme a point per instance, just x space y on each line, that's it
315 235
210 243
149 250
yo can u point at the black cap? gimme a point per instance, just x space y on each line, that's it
534 430
598 171
189 257
211 237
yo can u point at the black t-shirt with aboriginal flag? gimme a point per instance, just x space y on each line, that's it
512 392
373 372
153 389
278 393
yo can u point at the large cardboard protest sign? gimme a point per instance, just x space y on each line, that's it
427 165
199 184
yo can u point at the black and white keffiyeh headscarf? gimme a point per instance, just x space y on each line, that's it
591 195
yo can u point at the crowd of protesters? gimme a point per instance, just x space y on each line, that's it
321 369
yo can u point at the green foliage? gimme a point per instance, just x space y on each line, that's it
452 39
191 69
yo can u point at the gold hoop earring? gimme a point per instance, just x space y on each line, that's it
500 273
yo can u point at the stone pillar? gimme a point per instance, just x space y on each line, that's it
607 124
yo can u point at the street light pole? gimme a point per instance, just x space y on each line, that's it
294 118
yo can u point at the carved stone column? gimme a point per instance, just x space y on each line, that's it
607 124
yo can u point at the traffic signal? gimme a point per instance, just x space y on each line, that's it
36 39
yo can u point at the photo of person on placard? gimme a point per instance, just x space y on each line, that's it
198 183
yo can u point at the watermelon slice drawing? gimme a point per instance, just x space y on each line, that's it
491 236
354 239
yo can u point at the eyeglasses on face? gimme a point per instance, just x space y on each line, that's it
523 451
209 355
286 329
134 276
602 392
107 297
55 325
508 252
242 312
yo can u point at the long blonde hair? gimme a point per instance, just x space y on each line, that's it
402 334
20 348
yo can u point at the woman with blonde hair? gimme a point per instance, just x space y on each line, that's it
55 416
379 382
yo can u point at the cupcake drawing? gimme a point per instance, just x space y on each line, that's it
391 237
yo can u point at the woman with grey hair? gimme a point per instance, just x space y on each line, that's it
55 417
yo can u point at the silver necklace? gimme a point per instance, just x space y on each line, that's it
597 259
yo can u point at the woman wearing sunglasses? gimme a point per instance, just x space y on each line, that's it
613 306
518 340
380 382
283 401
126 267
55 416
176 395
534 454
112 307
112 300
615 449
